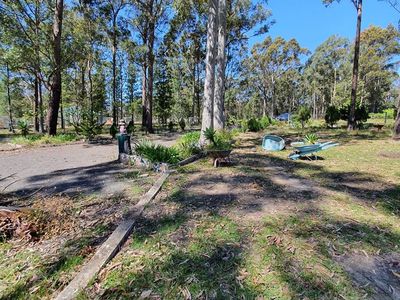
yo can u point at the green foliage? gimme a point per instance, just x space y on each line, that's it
253 125
188 144
182 124
171 126
209 134
303 115
332 115
361 114
157 153
23 126
390 114
221 140
88 127
243 125
113 130
41 139
311 138
130 128
265 121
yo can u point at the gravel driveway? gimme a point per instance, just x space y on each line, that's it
68 168
73 168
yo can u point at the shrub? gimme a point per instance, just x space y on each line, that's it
157 153
361 114
265 122
88 127
23 126
171 126
332 115
303 115
311 138
188 144
221 140
254 125
182 124
131 127
113 130
243 125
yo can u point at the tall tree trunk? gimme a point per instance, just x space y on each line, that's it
55 97
396 131
198 98
91 104
41 111
144 93
273 106
150 58
36 105
10 115
193 90
219 93
121 92
208 104
334 87
144 77
62 115
114 71
351 122
38 114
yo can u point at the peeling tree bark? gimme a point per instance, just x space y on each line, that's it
55 97
351 122
219 93
209 82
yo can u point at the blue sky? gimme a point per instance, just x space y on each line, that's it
311 23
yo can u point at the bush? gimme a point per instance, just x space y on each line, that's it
221 140
131 127
188 144
332 116
171 126
303 115
361 114
253 125
311 138
157 153
244 127
265 122
39 139
23 126
88 127
182 124
113 130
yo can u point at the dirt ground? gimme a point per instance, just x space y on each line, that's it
75 168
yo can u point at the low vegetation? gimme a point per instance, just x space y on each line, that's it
42 139
157 153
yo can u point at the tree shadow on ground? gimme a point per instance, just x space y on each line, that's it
336 245
370 189
91 179
55 272
181 256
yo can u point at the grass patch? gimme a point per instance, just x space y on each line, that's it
39 139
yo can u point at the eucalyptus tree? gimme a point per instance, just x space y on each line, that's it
148 18
111 10
395 4
324 71
351 122
269 61
219 93
379 50
25 25
55 79
209 82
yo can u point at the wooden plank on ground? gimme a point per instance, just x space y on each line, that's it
111 246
